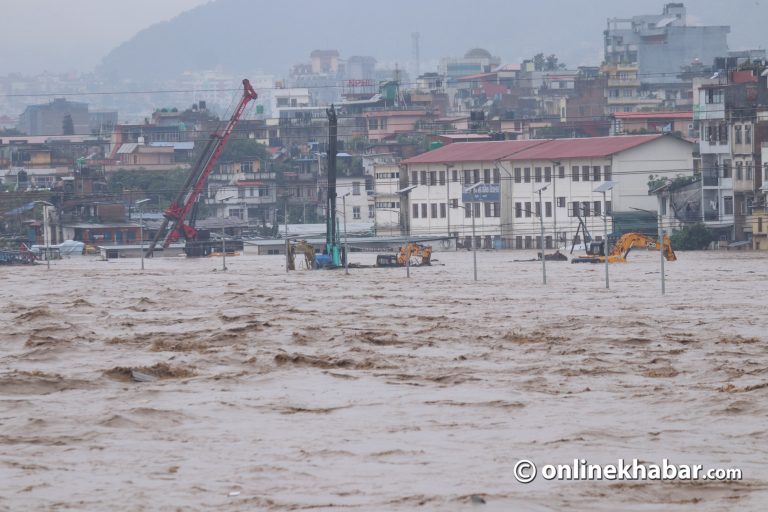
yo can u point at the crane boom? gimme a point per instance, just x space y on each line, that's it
178 212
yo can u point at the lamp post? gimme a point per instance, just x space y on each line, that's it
404 192
224 236
141 228
541 243
346 246
501 199
555 165
472 213
604 188
46 236
661 249
448 198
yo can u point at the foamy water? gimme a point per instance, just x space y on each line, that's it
314 390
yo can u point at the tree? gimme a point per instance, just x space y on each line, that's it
67 125
11 132
692 238
538 62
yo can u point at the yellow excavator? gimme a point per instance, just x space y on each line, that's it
627 242
418 254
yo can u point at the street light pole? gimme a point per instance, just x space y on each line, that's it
661 249
555 173
46 237
605 188
541 243
346 245
472 189
141 228
223 236
404 192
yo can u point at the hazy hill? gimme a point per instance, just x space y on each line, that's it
252 35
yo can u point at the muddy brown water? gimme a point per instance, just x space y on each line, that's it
315 390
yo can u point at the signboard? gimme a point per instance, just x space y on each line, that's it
485 193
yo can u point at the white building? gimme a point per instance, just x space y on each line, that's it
566 171
358 201
386 198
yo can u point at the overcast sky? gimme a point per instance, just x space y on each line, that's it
66 35
73 35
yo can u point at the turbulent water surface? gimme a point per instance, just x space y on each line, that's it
185 387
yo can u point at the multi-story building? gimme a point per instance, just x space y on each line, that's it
387 217
48 119
661 44
243 190
566 171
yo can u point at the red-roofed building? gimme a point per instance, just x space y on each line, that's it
568 171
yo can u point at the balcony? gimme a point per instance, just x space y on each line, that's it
623 82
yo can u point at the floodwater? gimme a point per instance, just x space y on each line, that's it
188 388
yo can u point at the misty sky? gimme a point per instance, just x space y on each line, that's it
66 35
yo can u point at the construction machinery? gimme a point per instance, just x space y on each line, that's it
180 216
418 254
627 242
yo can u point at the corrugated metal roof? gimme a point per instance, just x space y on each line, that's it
653 115
126 148
175 145
592 147
473 152
539 149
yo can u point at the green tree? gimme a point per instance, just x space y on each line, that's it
11 132
692 238
67 125
539 61
164 185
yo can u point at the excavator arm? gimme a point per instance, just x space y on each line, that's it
629 241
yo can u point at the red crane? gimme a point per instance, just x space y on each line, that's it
179 210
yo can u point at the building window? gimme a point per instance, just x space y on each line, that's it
575 209
476 174
355 188
585 208
527 209
547 174
728 205
454 203
561 172
496 209
423 210
356 212
486 176
518 242
415 214
737 134
739 173
537 208
608 209
496 176
527 174
414 178
468 210
747 134
442 210
584 173
433 178
548 208
518 175
561 202
442 178
476 209
424 178
519 209
727 169
467 177
597 208
488 212
575 173
749 171
596 173
371 211
607 172
537 174
433 210
528 242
